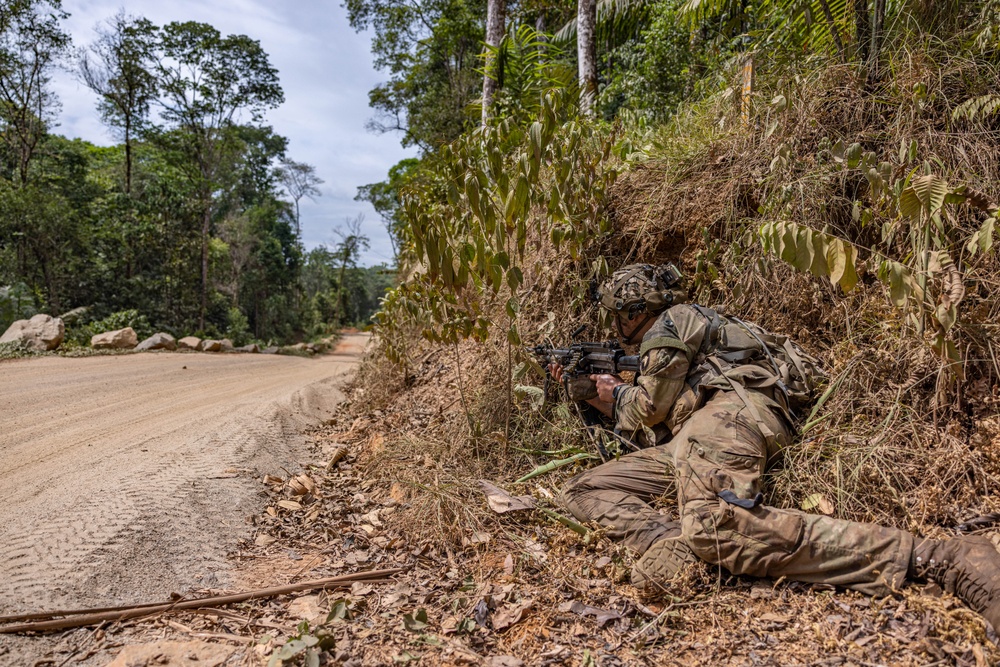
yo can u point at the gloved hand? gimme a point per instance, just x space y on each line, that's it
581 388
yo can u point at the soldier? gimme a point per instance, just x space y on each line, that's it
711 383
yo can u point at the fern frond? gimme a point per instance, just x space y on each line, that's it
977 108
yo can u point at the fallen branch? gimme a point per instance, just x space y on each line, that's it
81 617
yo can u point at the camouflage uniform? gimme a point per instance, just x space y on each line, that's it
729 421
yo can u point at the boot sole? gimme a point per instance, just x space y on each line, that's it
661 563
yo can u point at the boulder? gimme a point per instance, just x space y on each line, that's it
122 339
211 346
158 341
189 343
227 345
252 348
41 332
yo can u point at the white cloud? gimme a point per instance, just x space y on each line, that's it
326 73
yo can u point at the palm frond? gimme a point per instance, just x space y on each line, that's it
617 20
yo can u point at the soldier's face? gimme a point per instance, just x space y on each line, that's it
626 327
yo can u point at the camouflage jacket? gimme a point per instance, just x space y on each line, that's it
680 367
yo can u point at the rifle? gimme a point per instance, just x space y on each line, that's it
589 358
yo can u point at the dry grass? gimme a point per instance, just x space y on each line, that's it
896 442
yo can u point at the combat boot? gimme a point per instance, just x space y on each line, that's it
968 567
662 562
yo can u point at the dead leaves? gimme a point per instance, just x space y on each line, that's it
502 502
510 614
602 616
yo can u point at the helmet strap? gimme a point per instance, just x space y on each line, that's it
630 339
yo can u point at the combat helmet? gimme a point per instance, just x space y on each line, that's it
637 290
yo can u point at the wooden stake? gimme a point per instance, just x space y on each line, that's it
81 617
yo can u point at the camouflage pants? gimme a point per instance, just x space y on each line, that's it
721 453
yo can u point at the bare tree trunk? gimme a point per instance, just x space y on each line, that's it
586 49
863 31
204 265
128 156
496 18
878 34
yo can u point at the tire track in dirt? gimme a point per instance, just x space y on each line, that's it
117 473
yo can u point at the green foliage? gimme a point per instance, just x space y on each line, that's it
528 64
977 108
31 44
470 216
430 50
16 303
617 20
305 647
120 320
238 329
925 281
665 64
127 227
385 196
17 349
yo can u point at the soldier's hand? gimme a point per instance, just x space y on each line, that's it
556 371
606 386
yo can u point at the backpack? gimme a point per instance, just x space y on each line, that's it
741 343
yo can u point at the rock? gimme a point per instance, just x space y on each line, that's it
158 341
122 339
189 343
227 345
252 348
211 346
270 350
303 347
41 332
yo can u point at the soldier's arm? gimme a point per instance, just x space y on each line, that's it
663 369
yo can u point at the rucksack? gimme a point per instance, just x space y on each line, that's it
800 373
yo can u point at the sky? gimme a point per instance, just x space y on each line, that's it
326 72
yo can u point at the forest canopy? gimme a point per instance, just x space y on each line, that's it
192 220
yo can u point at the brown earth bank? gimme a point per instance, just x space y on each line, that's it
128 478
390 481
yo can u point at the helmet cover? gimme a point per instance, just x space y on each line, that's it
639 288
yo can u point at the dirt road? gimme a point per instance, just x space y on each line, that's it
126 478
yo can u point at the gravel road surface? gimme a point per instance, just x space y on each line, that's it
126 478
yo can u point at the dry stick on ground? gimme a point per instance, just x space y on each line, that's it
81 617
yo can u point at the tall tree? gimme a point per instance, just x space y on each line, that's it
384 198
430 51
118 66
207 81
31 45
300 180
352 242
586 47
496 18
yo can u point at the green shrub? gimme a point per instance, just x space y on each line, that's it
81 333
238 330
16 303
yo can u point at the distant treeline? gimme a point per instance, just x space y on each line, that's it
192 219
